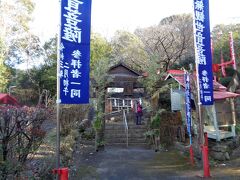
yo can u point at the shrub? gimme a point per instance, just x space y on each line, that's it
20 135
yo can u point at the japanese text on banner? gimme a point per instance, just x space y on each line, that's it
203 51
75 51
188 102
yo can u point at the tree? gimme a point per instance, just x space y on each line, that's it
99 76
153 75
220 36
171 40
128 48
21 45
4 71
100 49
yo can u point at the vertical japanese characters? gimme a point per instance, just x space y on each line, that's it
203 50
188 102
74 51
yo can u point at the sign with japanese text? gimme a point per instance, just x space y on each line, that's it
188 102
75 51
203 50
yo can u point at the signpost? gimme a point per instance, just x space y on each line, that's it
203 60
73 57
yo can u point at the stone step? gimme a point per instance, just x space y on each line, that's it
124 140
115 134
141 145
121 126
123 135
122 131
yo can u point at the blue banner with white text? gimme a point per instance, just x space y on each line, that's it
188 102
203 50
75 51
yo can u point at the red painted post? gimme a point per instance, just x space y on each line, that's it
206 167
62 173
191 155
205 139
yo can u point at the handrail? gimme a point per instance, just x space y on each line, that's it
125 124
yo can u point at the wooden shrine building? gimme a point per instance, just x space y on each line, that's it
123 89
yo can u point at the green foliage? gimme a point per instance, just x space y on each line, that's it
46 167
220 35
4 70
21 45
225 81
67 145
99 74
71 118
7 168
128 48
237 128
230 71
88 135
155 121
100 49
29 5
50 51
153 77
97 124
152 133
100 143
185 63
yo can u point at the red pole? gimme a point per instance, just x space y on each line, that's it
191 155
205 139
206 167
62 173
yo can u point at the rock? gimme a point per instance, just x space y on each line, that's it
220 148
218 155
227 156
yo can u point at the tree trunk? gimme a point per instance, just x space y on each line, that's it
4 153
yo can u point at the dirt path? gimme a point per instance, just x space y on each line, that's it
118 163
140 164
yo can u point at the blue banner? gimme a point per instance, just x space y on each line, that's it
203 51
75 51
188 103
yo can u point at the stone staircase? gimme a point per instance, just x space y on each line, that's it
115 135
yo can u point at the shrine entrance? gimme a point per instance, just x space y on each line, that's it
124 90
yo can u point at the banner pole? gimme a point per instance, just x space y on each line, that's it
58 94
203 59
198 87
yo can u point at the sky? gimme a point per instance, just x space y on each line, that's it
111 15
